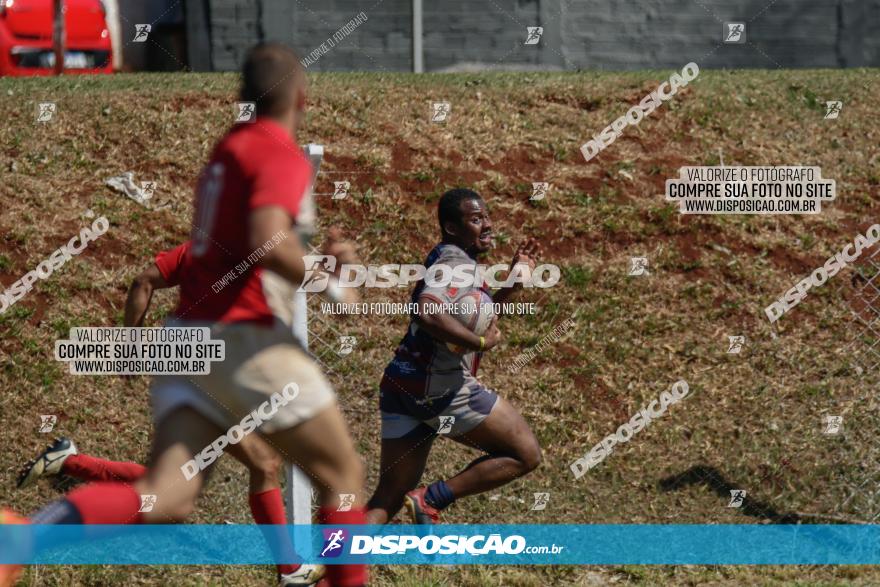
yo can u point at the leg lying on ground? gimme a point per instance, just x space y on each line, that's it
89 468
179 437
62 457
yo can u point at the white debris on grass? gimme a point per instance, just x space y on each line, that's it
125 183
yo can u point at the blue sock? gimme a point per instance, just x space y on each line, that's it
57 512
439 495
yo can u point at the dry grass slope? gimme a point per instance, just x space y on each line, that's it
752 421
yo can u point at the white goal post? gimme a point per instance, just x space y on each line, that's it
298 492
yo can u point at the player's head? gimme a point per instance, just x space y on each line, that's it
464 220
274 79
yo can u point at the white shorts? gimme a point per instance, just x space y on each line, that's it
260 361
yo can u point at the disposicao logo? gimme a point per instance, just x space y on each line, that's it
334 543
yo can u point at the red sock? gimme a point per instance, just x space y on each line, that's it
93 469
344 575
267 507
107 503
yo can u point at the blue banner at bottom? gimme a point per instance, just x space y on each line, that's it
523 544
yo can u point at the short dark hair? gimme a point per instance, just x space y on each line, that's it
270 77
449 206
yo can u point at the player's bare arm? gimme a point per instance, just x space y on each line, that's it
286 259
336 246
140 293
445 327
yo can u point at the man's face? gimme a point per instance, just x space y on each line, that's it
474 231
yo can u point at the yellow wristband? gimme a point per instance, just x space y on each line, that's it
482 343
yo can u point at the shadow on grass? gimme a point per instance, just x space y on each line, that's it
715 480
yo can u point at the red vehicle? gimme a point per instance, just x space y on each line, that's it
26 37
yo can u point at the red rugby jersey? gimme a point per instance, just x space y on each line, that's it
170 262
256 164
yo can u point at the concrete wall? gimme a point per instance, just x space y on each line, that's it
159 51
490 32
667 33
578 34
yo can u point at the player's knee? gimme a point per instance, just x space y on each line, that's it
354 470
530 457
169 506
175 512
180 512
344 475
394 488
267 467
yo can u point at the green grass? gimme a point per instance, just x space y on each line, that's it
710 277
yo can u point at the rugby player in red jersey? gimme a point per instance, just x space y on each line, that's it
266 503
248 196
